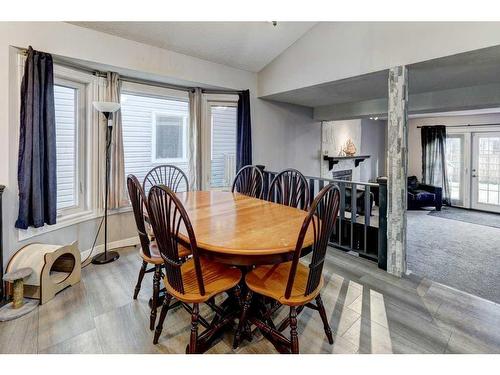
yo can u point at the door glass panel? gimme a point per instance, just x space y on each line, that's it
455 167
488 171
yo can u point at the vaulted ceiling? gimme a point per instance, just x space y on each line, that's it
243 45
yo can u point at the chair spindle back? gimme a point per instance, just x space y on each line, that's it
249 181
322 216
168 175
290 188
139 204
167 216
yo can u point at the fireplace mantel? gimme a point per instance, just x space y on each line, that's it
332 160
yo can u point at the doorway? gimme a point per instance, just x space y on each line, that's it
485 177
473 168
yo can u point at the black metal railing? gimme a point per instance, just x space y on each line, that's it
362 222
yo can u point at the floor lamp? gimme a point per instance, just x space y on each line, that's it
107 109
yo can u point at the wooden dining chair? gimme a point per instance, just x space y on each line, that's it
195 281
149 250
295 284
290 188
249 181
168 175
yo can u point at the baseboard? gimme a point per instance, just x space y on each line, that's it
132 241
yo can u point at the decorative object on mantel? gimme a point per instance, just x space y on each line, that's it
332 160
19 305
349 149
54 268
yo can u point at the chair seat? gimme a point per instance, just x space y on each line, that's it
156 258
271 281
217 278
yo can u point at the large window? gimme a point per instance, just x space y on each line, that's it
70 110
155 128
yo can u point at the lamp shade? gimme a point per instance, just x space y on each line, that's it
108 107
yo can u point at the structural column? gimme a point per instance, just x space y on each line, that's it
397 167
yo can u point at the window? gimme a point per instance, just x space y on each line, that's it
219 140
155 128
70 110
169 138
223 145
76 148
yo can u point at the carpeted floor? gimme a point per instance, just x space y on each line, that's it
469 216
456 253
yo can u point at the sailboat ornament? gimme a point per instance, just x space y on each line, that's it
349 149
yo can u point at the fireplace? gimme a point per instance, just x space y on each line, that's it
345 175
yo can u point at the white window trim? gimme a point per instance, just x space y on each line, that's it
184 158
80 167
90 134
209 100
153 91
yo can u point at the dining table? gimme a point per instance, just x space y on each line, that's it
242 231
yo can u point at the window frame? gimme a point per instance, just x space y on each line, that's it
80 160
208 101
184 158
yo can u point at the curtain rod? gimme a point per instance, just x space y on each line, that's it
58 61
464 125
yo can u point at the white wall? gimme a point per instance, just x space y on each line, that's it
286 137
278 130
337 50
373 143
369 138
414 140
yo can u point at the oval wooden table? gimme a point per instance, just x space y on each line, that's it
235 229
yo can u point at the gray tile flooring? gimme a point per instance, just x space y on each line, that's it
369 310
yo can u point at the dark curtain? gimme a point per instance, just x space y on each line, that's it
434 158
36 172
244 132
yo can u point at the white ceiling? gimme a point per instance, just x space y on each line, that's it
244 45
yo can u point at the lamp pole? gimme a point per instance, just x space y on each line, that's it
107 110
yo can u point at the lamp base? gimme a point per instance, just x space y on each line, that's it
107 257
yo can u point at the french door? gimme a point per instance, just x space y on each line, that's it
219 141
485 176
457 168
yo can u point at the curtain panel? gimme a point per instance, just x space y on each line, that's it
194 139
36 173
107 89
244 132
118 196
434 158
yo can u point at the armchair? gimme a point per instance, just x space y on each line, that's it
422 195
